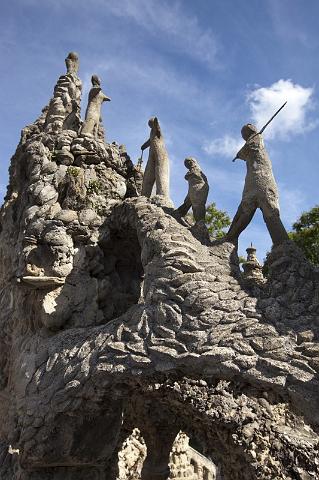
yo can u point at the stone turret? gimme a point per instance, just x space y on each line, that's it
252 267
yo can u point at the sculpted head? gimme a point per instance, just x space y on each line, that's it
153 123
72 63
190 163
248 130
73 56
95 80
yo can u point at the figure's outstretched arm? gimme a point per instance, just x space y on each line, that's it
146 144
242 153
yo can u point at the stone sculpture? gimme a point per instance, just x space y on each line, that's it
260 190
197 191
93 112
137 324
157 167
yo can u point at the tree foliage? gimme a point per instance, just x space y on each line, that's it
306 234
216 221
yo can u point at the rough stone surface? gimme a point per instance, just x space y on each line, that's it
147 328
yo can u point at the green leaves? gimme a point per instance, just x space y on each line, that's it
306 234
216 221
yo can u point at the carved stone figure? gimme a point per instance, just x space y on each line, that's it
72 63
260 189
157 168
93 111
197 191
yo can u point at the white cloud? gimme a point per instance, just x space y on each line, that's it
293 119
263 103
226 146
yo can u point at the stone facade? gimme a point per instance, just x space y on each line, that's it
114 316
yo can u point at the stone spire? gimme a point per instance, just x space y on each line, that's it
66 96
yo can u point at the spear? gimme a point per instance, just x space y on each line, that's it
266 124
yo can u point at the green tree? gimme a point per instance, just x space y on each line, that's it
306 234
217 221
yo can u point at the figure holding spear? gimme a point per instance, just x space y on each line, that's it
260 190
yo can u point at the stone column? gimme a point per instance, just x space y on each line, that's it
159 445
159 435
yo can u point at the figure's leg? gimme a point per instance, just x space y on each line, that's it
149 177
162 175
198 199
275 227
183 209
199 212
241 220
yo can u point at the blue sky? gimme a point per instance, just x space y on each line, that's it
204 68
